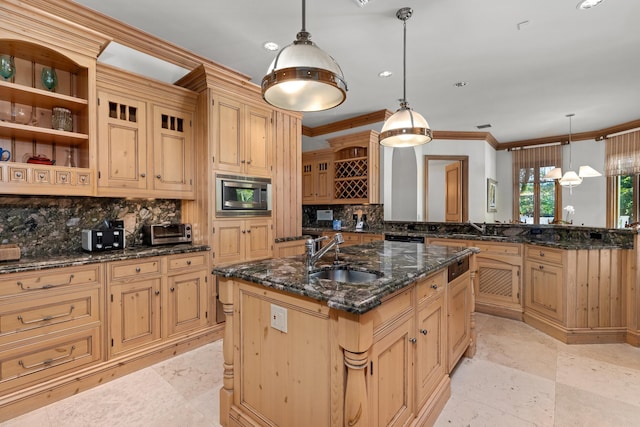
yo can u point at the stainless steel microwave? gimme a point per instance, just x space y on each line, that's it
242 196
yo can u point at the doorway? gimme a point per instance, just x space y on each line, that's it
446 197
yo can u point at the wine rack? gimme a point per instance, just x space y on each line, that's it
351 179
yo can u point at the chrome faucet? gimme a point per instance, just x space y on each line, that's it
481 228
313 256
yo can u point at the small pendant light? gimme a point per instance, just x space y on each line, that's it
405 128
571 179
303 77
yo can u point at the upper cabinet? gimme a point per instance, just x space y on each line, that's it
47 100
347 173
242 136
146 146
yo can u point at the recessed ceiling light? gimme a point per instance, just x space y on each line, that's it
460 84
385 74
588 4
271 46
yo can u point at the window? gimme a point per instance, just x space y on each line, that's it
536 200
623 179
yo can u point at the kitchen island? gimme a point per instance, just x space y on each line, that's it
300 350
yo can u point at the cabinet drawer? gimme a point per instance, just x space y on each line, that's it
47 359
542 254
351 239
392 308
192 260
48 280
125 270
431 286
27 317
509 249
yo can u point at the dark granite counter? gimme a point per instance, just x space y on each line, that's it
401 264
82 258
567 237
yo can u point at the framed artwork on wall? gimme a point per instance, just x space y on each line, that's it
492 189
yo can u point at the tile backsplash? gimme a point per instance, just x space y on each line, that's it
50 226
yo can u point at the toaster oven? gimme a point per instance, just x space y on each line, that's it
166 234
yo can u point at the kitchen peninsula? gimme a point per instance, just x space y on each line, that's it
299 348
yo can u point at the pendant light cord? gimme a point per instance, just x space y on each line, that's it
570 148
304 14
404 64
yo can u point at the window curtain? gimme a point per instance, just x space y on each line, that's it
528 158
622 154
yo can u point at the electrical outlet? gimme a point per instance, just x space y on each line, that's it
279 318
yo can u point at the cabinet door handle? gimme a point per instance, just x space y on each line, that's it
158 176
242 161
244 231
63 177
45 318
541 267
48 286
413 340
248 231
248 162
424 331
157 292
41 175
434 286
83 178
143 175
48 362
172 289
18 174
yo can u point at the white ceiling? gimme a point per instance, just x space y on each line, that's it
521 81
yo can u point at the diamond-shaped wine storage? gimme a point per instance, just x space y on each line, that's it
351 180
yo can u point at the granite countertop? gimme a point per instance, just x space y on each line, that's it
538 240
400 263
82 258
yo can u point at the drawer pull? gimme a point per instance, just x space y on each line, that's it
188 262
45 318
48 362
48 286
424 331
541 253
434 286
137 269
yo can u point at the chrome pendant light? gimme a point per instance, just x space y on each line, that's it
405 128
303 77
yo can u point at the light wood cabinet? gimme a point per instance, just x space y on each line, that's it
544 282
391 376
189 297
242 137
146 145
134 304
289 248
36 41
317 177
242 240
354 238
156 299
50 325
499 282
459 307
431 354
396 356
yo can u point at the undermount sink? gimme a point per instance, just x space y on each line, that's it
345 275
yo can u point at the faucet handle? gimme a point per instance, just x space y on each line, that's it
321 238
338 238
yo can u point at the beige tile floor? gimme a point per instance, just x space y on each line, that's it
519 377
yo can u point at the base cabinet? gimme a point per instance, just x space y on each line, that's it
391 377
242 240
458 321
544 278
386 367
